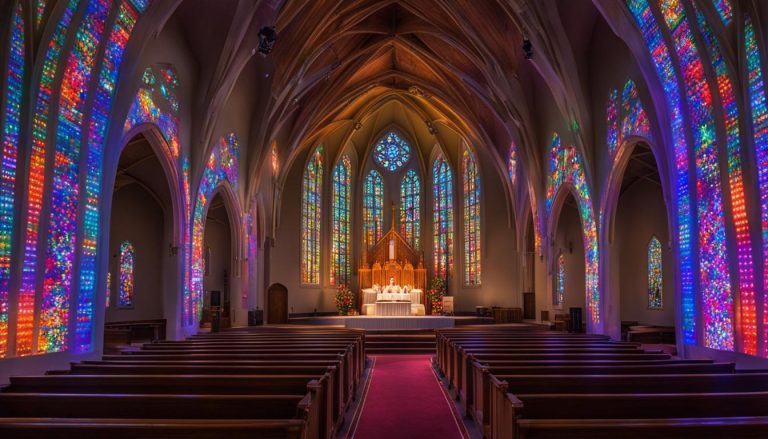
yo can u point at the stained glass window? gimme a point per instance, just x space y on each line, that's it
275 159
759 114
10 118
410 208
127 268
557 298
512 163
471 189
654 274
311 210
341 245
373 208
612 121
442 216
392 151
109 288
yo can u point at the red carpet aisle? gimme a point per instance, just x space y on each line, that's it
405 400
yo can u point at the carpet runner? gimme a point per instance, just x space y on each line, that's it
405 400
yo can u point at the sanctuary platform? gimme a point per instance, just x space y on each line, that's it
378 323
392 323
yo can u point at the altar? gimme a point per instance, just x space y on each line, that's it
392 301
394 284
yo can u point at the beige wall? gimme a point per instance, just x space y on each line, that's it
138 218
642 214
218 239
570 242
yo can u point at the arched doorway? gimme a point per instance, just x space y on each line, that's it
529 272
568 264
640 252
217 255
141 268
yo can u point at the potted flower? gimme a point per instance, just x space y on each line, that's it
345 300
437 289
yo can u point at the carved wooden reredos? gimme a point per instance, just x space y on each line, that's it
392 257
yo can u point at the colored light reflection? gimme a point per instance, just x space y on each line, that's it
567 167
9 142
665 70
714 279
221 166
759 111
746 282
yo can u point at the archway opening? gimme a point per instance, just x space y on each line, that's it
141 270
641 248
568 272
529 272
217 255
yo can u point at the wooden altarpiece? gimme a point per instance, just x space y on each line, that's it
392 257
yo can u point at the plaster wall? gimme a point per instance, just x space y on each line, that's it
136 217
641 215
569 242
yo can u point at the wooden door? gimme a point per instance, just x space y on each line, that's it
277 304
529 306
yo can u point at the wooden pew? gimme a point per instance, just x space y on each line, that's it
192 384
45 428
339 396
478 404
700 428
478 385
153 329
351 374
266 407
509 408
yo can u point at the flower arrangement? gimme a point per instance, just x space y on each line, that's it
437 290
345 300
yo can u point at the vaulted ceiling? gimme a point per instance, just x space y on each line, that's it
339 60
456 67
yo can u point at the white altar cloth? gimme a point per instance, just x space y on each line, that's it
393 309
371 296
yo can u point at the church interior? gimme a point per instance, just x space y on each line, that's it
383 218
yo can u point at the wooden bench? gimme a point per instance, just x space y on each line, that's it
250 407
509 409
323 388
478 402
700 428
141 329
45 428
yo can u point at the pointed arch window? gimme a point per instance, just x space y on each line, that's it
557 299
341 245
311 211
127 268
654 274
373 208
442 216
109 289
471 191
512 163
410 208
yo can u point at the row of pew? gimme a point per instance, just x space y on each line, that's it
519 382
265 383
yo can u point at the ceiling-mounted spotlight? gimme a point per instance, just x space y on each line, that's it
358 125
430 127
267 38
527 48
